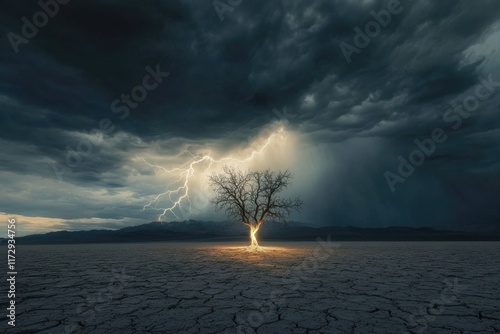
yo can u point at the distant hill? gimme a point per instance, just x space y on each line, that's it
206 231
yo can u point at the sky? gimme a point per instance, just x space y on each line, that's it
386 112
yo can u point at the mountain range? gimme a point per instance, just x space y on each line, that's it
193 230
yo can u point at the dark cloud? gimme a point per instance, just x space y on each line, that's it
225 80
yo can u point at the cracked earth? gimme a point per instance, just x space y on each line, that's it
378 287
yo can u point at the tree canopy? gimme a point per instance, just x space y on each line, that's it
253 196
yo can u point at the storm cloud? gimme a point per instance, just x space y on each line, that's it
234 76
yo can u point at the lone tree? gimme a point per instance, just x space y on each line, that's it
251 197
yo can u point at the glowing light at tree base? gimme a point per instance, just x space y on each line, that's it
253 236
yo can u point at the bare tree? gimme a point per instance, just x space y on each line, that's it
251 197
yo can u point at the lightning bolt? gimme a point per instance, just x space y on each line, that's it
181 194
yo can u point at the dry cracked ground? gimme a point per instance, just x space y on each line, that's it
378 287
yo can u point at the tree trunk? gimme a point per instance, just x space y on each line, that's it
253 235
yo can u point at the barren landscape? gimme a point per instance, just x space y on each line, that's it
318 287
250 167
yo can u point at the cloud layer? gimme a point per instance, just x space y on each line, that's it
229 82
